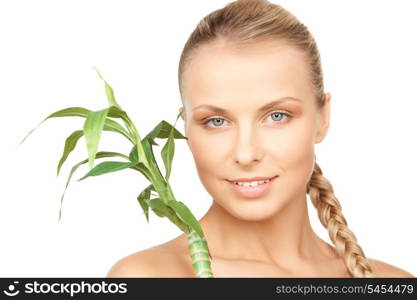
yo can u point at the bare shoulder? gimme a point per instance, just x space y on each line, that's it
144 263
383 269
154 262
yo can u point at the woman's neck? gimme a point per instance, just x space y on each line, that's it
284 239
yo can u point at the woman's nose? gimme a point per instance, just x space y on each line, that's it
247 147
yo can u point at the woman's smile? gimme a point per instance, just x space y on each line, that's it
255 189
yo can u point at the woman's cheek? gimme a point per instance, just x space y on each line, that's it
298 142
205 148
291 148
299 153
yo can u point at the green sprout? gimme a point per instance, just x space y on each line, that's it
141 158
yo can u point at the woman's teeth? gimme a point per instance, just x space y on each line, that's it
252 183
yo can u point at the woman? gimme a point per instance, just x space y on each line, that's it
254 106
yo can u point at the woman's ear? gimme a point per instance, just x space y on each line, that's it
183 117
183 113
324 119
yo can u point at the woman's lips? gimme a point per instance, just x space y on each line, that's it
257 191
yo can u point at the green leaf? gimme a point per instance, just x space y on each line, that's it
167 153
70 144
109 91
144 170
107 167
171 214
93 127
162 210
118 113
100 154
72 141
186 215
147 148
70 112
158 207
157 203
143 197
111 125
115 112
82 112
162 131
67 112
133 155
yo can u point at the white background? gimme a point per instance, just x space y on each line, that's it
47 52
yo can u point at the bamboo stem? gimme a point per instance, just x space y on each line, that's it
199 252
199 255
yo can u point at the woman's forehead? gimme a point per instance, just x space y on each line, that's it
258 71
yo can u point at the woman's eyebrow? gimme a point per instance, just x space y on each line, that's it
265 107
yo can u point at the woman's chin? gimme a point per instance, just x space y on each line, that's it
251 211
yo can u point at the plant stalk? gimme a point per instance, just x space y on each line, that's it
197 246
199 255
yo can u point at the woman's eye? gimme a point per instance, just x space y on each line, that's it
277 116
215 121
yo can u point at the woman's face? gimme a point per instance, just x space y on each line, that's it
243 140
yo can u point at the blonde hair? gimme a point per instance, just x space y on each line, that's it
245 21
